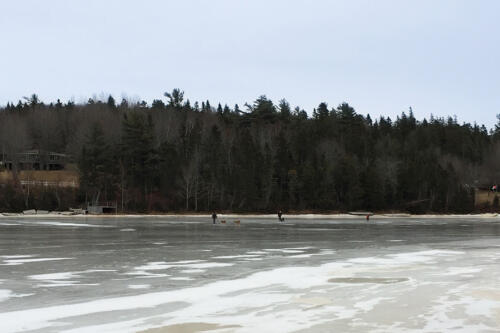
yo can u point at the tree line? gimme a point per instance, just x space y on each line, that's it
174 155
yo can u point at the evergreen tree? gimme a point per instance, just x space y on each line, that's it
176 97
139 152
95 166
111 102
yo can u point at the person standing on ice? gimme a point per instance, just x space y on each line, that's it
279 216
214 217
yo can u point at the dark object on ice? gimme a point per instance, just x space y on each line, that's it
214 217
368 217
280 218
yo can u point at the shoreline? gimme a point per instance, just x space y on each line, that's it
306 216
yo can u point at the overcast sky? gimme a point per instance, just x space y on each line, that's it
440 57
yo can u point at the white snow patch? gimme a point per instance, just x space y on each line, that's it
308 255
22 295
67 224
460 271
139 286
190 271
301 256
98 270
18 256
369 304
5 294
284 250
300 248
144 274
66 284
237 256
406 258
195 264
208 265
62 279
480 307
13 262
54 276
153 266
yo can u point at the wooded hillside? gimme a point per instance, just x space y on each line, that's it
177 155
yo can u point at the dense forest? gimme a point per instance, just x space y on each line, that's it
174 155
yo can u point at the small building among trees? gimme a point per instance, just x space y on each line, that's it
35 160
102 208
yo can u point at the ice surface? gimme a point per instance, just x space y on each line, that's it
259 276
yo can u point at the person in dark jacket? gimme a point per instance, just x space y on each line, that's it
214 217
280 218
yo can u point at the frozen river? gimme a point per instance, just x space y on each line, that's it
183 274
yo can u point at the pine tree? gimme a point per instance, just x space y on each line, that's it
95 165
111 102
139 152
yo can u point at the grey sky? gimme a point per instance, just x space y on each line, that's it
439 57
